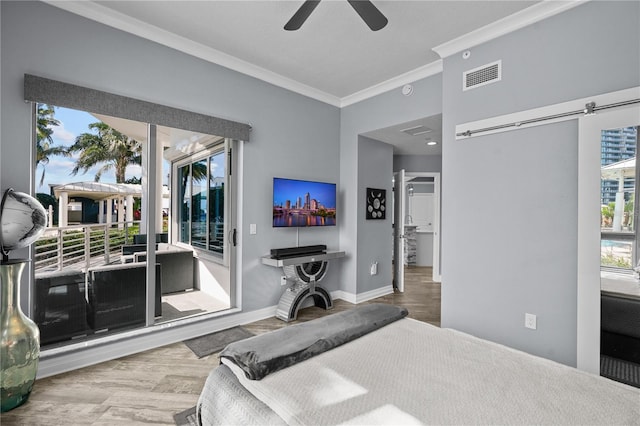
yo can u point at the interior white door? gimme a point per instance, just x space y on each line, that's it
398 227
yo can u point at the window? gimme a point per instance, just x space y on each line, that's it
203 186
91 264
619 184
86 285
90 273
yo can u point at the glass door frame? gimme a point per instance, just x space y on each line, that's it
589 236
229 212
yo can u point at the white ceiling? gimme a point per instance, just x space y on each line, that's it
405 144
334 57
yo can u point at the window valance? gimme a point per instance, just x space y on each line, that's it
44 90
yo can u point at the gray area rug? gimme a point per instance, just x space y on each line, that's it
619 370
186 417
215 342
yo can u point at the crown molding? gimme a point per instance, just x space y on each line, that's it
393 83
516 21
104 15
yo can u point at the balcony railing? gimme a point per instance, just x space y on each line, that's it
82 246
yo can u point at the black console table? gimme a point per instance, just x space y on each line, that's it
303 272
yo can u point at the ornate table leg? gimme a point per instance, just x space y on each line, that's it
304 277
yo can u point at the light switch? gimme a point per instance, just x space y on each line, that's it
530 321
252 229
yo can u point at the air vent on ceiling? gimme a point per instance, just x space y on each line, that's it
482 76
416 130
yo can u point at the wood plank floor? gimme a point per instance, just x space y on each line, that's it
150 387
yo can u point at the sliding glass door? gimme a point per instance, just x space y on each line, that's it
90 273
113 215
203 180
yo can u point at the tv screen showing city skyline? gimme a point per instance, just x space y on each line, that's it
303 203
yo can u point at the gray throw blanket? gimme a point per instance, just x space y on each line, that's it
266 353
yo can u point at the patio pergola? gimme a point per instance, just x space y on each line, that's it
103 193
619 171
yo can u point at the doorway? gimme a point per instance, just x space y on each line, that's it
416 147
422 192
416 224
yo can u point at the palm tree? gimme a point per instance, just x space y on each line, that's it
44 141
198 174
108 147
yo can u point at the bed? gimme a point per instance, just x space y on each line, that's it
373 365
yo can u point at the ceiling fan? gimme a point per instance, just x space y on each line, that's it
367 11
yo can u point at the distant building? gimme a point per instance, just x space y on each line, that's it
617 145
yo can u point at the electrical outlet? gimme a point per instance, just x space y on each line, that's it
283 280
530 321
374 268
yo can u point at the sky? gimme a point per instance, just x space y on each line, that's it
58 170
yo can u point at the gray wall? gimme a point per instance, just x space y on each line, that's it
293 136
381 111
417 163
510 199
523 181
375 164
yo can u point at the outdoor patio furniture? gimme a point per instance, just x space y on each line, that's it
177 267
60 306
130 249
117 296
142 238
620 327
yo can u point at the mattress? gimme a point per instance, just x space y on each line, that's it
409 372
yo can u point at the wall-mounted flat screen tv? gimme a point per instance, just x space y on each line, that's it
303 203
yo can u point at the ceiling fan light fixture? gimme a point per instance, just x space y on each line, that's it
301 15
367 11
369 14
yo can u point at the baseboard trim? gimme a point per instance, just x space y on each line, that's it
343 295
362 297
373 294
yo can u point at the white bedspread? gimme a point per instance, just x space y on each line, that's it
410 372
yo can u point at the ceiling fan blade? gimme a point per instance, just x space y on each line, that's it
301 15
369 14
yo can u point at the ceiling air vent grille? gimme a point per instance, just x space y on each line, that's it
482 76
417 130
